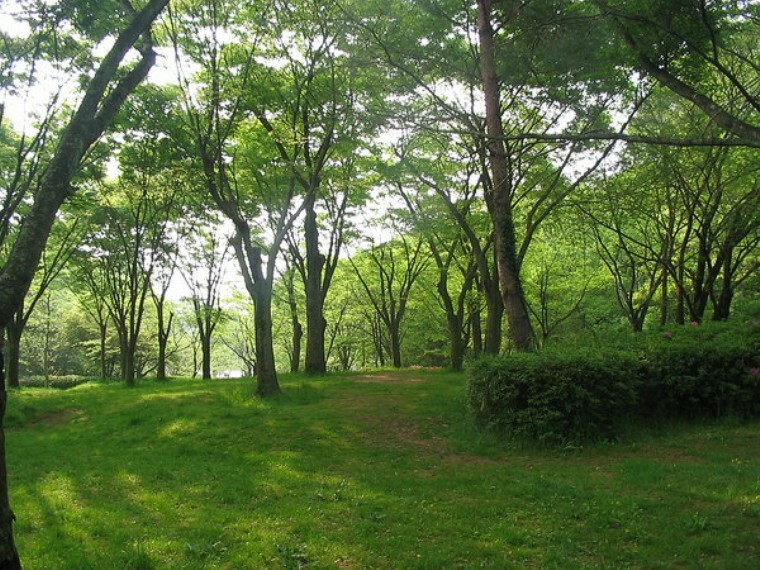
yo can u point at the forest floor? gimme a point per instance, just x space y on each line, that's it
375 470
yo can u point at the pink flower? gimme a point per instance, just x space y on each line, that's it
694 323
754 371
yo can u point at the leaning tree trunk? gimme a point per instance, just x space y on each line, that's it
97 108
513 296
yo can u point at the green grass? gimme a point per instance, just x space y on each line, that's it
342 472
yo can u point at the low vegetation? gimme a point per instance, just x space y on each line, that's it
379 470
596 393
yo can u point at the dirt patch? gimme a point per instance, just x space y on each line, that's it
56 417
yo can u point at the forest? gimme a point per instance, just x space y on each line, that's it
215 189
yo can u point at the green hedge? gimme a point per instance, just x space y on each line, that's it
573 396
59 382
556 398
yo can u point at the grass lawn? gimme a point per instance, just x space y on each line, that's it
378 471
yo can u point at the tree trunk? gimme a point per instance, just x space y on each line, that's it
13 331
103 329
494 314
664 299
9 558
456 345
266 374
295 359
722 308
164 330
475 332
206 353
395 335
315 295
513 297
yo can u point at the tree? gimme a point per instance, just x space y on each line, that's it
245 178
679 43
387 276
203 269
104 93
50 267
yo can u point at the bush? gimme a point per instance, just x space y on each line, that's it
702 371
556 398
574 396
59 382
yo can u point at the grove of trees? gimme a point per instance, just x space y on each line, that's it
387 183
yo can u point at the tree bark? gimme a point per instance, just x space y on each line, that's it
14 330
315 295
520 328
267 384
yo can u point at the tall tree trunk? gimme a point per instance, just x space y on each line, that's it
513 296
266 374
494 315
315 295
295 357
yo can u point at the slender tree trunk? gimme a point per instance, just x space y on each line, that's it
513 296
664 299
295 359
103 329
164 330
475 332
315 295
395 335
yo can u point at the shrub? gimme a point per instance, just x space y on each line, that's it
574 395
556 398
59 382
702 372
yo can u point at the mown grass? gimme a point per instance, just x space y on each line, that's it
385 471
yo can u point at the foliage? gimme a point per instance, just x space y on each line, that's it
703 371
556 398
566 395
